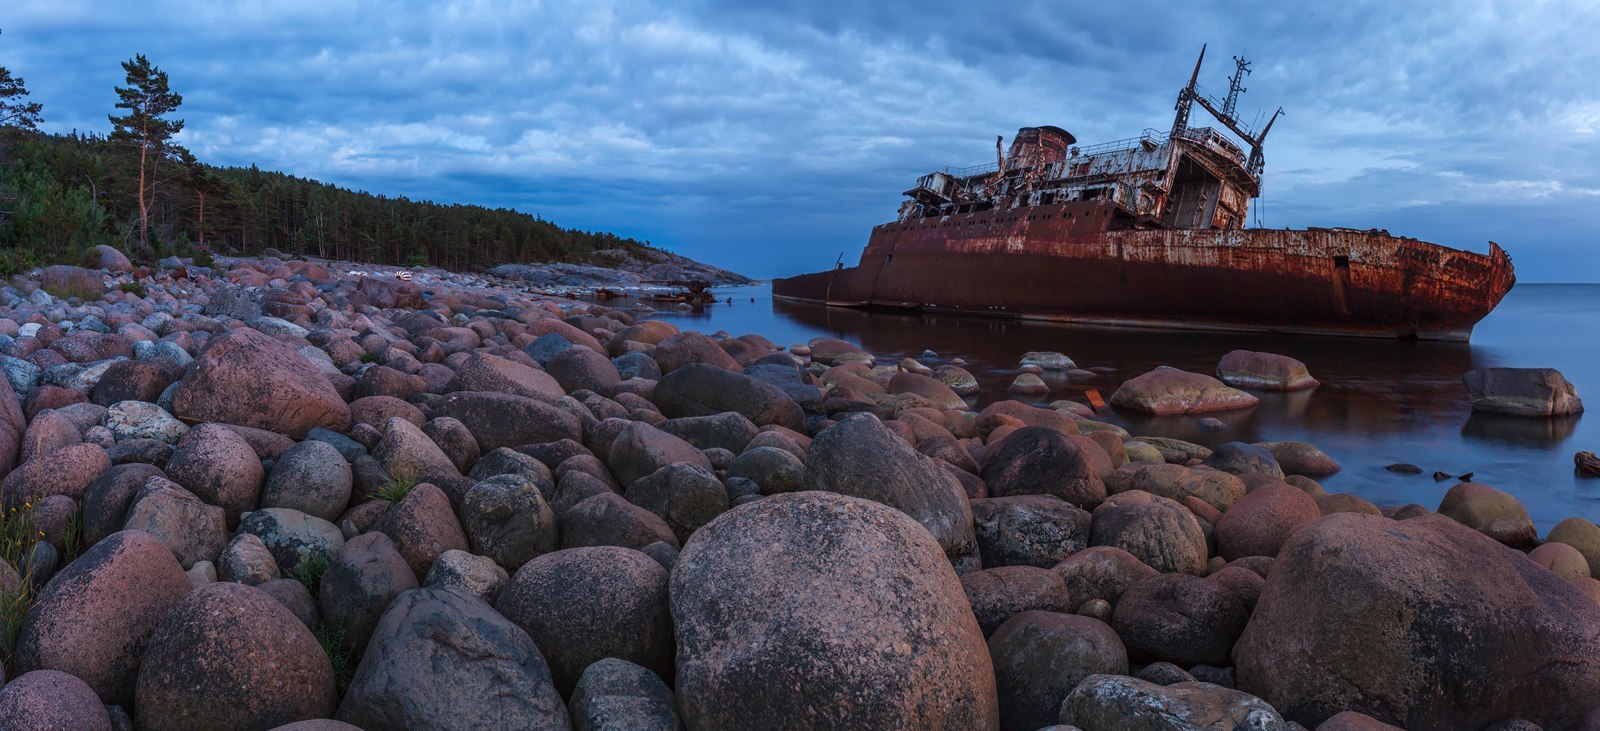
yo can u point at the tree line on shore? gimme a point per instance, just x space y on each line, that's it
138 189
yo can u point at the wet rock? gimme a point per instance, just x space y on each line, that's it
1238 458
1028 530
617 695
1028 384
1261 521
1533 392
361 580
1039 657
245 377
1131 704
1165 391
95 618
507 520
1489 511
1159 532
929 388
292 536
1182 619
860 457
1176 451
998 594
1514 639
585 604
795 569
702 390
1300 458
1048 360
478 575
50 700
1264 371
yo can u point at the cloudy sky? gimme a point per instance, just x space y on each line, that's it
769 137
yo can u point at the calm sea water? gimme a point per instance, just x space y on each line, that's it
1380 402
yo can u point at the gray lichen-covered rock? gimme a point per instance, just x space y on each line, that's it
312 477
476 574
507 520
844 597
1039 657
292 536
441 658
1130 704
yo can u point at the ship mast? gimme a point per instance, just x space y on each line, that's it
1226 115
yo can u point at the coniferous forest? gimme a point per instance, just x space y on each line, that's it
137 189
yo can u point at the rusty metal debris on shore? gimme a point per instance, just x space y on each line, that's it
1151 231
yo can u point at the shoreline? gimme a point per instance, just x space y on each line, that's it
583 512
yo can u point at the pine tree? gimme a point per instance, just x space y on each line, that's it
148 99
15 111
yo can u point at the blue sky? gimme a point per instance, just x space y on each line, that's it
769 137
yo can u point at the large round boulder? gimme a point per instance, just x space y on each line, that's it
848 599
442 658
508 420
581 605
998 594
507 520
1036 460
1039 657
96 616
313 478
1101 572
1491 512
1423 623
231 657
365 575
861 457
485 372
248 378
1262 520
219 467
640 449
1159 532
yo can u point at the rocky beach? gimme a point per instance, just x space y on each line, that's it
277 493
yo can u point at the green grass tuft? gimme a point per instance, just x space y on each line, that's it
339 653
18 533
310 570
135 288
398 487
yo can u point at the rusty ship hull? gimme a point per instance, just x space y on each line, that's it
1060 262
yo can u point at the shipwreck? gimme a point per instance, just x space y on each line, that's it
1151 232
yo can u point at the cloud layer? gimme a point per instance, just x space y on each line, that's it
770 137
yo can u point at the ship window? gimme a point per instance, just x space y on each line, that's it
1341 262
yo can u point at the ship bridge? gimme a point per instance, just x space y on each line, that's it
1187 178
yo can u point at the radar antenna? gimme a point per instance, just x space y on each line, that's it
1236 85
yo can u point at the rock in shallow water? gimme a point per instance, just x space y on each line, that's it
1522 392
1167 391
